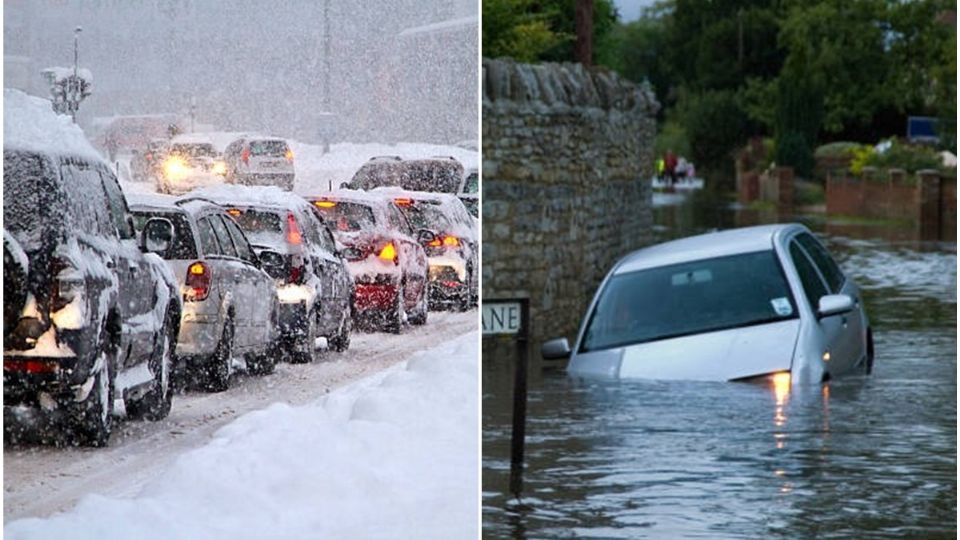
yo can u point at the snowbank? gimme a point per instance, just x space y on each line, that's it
29 123
393 456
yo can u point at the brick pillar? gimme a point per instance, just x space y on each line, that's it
928 204
784 179
749 188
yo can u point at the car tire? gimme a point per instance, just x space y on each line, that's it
341 342
218 367
394 321
95 413
423 306
156 404
263 363
310 342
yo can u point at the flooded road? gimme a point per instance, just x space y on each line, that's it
862 456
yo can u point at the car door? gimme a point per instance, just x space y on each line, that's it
138 290
833 328
256 284
327 267
413 259
232 279
854 333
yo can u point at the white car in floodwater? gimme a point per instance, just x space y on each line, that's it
744 304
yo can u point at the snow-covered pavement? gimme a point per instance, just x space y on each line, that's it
393 454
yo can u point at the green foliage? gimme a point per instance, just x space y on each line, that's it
836 149
911 158
672 136
715 125
808 193
793 150
535 31
861 158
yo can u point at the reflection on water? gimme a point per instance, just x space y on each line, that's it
862 456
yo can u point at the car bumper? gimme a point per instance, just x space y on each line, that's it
292 320
374 297
42 381
198 337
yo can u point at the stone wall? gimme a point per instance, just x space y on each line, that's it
567 158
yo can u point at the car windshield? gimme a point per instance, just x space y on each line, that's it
193 150
262 228
472 183
183 246
426 215
348 217
689 298
268 148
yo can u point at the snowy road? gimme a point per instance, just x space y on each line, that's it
39 481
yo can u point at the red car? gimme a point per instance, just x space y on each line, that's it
384 256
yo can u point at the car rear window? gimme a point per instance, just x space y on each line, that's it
348 217
184 246
268 148
193 150
25 190
689 298
426 215
261 227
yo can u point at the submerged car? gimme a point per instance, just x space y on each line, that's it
228 300
384 255
745 304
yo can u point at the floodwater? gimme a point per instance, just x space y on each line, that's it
859 457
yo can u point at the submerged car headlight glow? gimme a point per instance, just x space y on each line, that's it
175 168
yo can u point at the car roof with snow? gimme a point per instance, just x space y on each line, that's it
30 124
450 205
258 196
705 246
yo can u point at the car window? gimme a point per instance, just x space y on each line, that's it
239 241
183 246
813 286
314 228
268 148
223 237
262 227
397 221
824 262
86 200
348 216
118 205
689 298
208 239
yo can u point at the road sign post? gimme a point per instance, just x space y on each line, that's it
512 317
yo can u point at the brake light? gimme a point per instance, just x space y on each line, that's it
451 241
403 202
31 366
198 281
324 204
235 212
388 253
435 242
296 274
288 155
293 230
245 155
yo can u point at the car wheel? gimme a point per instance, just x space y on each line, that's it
308 344
423 307
156 404
218 368
263 363
394 320
341 341
95 414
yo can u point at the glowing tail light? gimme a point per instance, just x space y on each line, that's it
403 202
198 282
288 154
235 212
324 204
451 241
388 253
245 155
436 242
293 231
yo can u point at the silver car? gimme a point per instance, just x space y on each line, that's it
228 302
753 303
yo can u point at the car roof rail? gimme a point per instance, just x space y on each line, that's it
186 200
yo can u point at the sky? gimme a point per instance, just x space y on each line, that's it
261 66
629 10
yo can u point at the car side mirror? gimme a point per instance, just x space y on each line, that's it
157 236
555 349
272 263
425 236
351 254
834 304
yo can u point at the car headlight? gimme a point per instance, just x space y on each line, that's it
175 168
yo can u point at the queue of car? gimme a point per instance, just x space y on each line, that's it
109 298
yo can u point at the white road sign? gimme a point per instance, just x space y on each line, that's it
501 318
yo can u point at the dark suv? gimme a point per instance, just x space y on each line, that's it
442 174
100 318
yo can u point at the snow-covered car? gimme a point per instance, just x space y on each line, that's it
189 164
263 161
757 303
16 265
384 256
101 317
229 301
453 253
469 192
442 174
312 282
146 164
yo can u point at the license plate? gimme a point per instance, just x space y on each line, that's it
270 164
